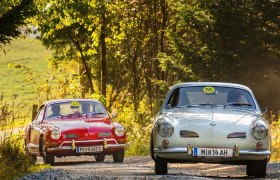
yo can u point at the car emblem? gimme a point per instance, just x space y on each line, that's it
213 124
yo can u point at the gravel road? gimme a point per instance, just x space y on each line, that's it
85 167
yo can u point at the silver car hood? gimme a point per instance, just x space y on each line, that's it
212 125
218 115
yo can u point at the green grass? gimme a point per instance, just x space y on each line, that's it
31 53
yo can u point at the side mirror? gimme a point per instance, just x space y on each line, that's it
264 111
152 119
114 114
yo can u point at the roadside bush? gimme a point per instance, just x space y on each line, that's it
13 161
138 127
275 132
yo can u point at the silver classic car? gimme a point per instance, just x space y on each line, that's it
211 123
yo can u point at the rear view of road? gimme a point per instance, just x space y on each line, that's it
85 167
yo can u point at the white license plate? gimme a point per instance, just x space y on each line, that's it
212 152
89 149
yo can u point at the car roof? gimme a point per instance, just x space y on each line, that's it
69 100
222 84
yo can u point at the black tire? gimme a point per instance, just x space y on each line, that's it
257 168
99 157
152 147
48 158
118 156
160 166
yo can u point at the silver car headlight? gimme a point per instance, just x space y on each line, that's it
259 131
55 134
165 129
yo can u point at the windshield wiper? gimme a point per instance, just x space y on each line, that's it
72 115
94 113
201 104
193 105
237 104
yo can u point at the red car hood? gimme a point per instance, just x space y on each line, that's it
82 124
84 128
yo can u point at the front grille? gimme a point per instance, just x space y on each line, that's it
104 134
71 136
188 134
237 135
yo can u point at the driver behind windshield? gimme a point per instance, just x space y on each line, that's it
55 109
86 108
234 97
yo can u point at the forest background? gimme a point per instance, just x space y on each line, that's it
128 53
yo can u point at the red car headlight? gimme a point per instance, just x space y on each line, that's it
55 134
119 131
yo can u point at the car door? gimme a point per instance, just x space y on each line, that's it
35 129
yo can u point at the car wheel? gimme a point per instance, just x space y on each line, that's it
48 158
99 157
33 158
257 168
160 165
118 156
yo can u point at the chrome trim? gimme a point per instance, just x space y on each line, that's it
184 150
171 150
109 146
73 144
87 141
254 153
31 145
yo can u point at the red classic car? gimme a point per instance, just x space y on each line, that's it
74 127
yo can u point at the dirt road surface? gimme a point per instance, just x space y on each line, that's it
85 167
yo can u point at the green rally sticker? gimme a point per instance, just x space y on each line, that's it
208 90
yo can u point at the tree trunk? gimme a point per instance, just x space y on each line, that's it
103 52
88 73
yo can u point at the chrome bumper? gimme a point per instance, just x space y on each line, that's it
71 145
185 150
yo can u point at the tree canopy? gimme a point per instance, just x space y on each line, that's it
13 14
132 51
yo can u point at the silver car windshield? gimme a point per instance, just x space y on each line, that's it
210 96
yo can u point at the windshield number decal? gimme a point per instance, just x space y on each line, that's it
208 90
75 104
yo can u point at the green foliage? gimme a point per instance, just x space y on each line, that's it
27 52
138 49
137 126
275 133
62 81
13 14
13 161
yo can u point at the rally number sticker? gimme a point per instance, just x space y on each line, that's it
75 104
208 90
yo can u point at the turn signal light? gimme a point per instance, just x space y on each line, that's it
165 142
259 145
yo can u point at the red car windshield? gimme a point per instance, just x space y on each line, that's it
74 108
